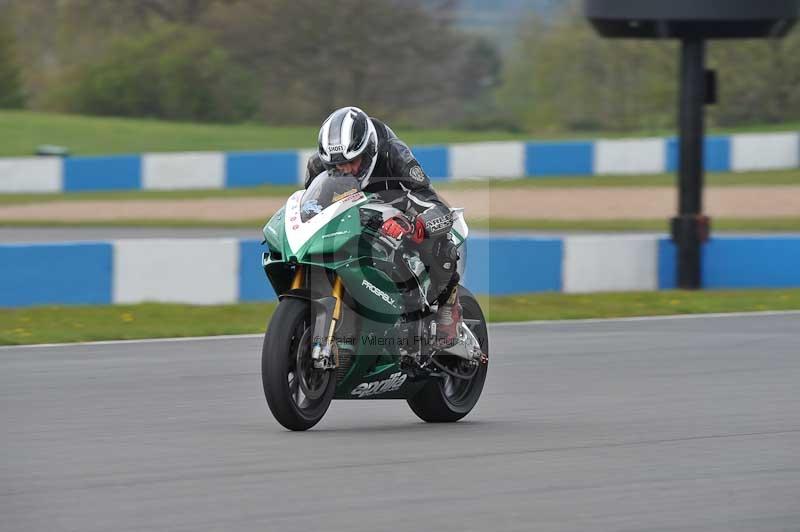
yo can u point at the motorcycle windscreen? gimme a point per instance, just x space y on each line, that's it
324 191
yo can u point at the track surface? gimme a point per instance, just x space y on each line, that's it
684 424
66 234
69 234
571 203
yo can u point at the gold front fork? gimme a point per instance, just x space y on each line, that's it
321 352
338 291
299 276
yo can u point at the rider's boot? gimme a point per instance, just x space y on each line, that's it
448 321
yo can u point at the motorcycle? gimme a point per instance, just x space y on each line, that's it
353 319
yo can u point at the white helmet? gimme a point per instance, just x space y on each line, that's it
345 135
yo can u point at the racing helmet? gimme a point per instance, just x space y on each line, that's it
345 135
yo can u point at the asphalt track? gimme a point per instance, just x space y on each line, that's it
663 424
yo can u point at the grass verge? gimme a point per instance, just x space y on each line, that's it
55 324
22 131
554 306
125 322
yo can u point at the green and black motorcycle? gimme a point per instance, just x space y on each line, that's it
354 320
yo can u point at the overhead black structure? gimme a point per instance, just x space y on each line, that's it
693 22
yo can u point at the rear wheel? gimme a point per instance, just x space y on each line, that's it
297 393
455 395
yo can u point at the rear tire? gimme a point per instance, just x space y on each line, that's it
447 400
297 394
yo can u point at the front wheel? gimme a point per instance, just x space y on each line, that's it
451 398
297 393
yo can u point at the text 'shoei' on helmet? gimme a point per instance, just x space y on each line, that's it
345 135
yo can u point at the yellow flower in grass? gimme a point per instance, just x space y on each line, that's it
127 317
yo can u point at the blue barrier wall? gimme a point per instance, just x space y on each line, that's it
717 154
667 270
738 262
559 158
513 265
58 274
83 273
536 159
119 172
766 262
253 283
260 168
488 267
435 160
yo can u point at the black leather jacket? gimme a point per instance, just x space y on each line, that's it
399 179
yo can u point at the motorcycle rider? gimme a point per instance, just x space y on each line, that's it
350 142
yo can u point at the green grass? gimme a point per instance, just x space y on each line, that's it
23 131
88 323
55 324
627 304
726 179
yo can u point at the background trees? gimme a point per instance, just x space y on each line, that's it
284 61
174 72
391 57
418 63
11 92
562 76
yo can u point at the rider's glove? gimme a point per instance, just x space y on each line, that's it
398 227
418 235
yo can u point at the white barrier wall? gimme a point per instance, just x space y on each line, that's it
505 160
31 174
211 271
610 263
487 159
630 156
302 162
201 271
183 170
767 151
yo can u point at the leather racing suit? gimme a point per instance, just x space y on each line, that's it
399 179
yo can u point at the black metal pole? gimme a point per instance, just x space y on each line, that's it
689 228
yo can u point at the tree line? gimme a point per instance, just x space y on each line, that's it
283 61
407 61
563 76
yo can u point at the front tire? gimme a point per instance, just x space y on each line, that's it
450 399
297 394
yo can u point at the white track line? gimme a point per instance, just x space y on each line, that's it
141 341
491 325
